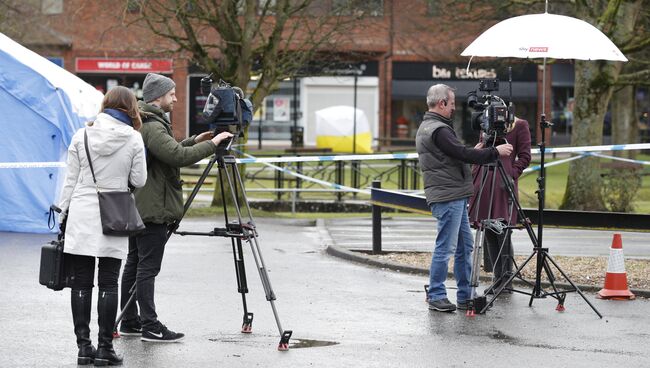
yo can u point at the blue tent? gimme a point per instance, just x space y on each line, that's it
41 106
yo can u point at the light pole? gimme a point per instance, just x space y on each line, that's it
356 71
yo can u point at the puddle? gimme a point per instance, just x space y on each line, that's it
307 343
498 335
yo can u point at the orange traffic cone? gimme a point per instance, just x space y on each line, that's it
616 277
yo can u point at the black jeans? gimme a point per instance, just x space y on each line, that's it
84 272
142 266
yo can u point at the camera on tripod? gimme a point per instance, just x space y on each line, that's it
226 109
491 113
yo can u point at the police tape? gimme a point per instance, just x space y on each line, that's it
414 155
310 179
371 157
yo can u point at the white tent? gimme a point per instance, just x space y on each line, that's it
42 106
336 127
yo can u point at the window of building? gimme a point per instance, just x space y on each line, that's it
52 6
373 8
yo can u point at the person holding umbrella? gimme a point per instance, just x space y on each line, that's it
498 253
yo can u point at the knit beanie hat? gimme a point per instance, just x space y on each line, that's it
156 85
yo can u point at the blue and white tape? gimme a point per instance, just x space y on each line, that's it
391 156
310 179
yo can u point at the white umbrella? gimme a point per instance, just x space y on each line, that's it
544 36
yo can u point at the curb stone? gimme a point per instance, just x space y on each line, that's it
339 252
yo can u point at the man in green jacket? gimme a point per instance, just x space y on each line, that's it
160 202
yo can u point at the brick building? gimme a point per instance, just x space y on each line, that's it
404 46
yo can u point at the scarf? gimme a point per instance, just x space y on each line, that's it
119 115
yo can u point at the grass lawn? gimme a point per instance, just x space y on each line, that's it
556 179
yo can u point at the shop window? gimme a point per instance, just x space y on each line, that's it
52 6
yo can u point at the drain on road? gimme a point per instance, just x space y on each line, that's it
307 343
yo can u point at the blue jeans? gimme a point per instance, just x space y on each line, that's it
454 236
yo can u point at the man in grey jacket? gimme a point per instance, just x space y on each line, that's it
448 185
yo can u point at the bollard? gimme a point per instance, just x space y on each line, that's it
340 178
415 175
402 178
376 223
279 180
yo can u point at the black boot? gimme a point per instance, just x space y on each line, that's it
81 303
106 310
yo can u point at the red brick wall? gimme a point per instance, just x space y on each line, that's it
404 33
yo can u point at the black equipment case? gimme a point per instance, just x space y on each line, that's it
55 272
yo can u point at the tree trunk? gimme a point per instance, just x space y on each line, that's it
593 91
624 127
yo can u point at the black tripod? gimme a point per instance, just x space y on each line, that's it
543 259
238 231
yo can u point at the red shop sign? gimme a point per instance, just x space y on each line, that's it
139 66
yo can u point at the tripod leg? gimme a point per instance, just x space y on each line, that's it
474 277
577 289
242 285
126 307
249 234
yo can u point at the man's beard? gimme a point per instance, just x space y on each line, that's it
167 107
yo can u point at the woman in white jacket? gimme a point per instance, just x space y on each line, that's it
118 157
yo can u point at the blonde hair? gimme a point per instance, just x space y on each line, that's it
122 98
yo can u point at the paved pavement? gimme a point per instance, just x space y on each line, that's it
419 233
376 318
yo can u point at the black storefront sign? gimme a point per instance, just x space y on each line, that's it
457 72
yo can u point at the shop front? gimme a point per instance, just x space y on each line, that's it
106 73
411 81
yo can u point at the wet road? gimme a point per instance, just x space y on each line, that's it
376 318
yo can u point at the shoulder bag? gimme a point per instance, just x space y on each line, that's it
117 210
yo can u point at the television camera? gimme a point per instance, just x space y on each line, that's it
491 114
226 109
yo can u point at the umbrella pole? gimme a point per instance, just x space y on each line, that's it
541 192
543 259
541 180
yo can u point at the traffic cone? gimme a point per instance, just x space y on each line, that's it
616 277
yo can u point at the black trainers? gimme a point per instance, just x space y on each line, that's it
442 305
161 334
131 328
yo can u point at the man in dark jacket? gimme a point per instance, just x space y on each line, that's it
447 186
160 202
